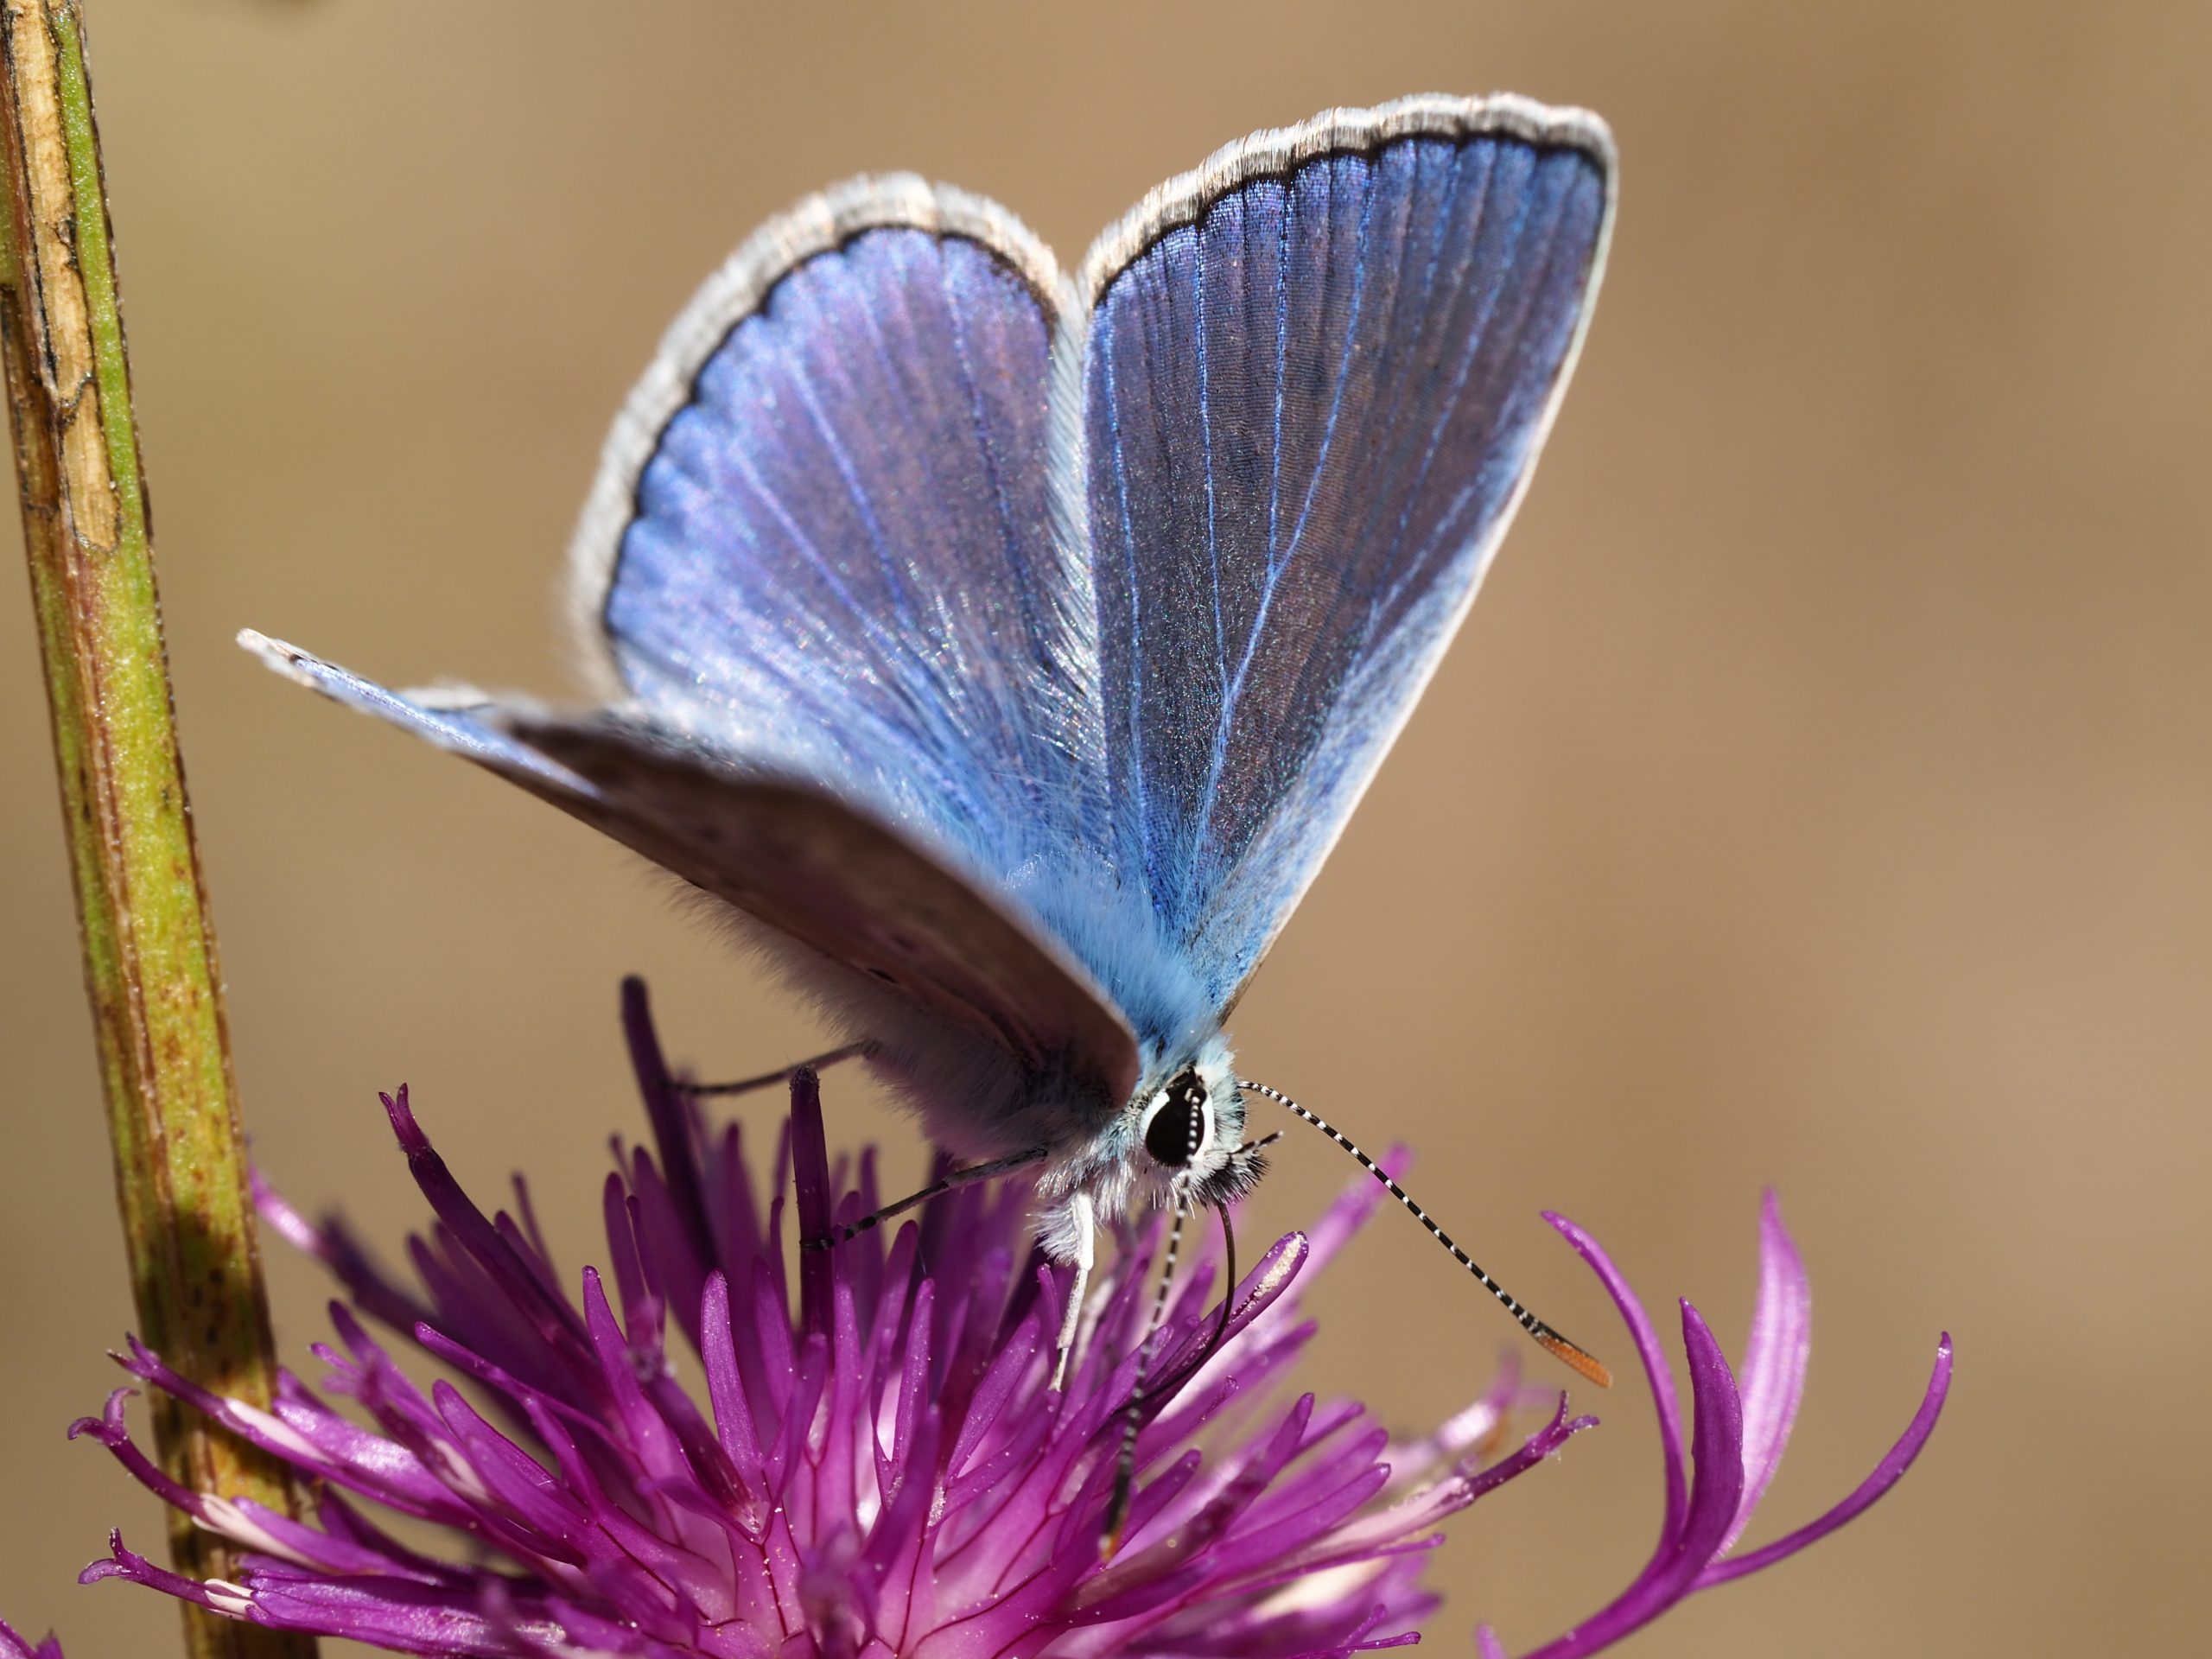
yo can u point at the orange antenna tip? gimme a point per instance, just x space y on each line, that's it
1587 1364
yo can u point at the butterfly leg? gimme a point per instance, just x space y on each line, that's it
958 1178
1086 1229
768 1079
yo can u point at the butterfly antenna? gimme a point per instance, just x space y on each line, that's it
1575 1358
1125 1465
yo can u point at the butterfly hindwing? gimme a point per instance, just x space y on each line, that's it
1317 372
786 853
813 867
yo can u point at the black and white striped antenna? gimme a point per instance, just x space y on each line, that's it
1125 1460
1576 1358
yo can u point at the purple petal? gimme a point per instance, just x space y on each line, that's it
1717 1485
733 1424
1429 1507
1656 1372
810 1177
1775 1357
1479 1426
241 1521
333 1246
1886 1474
13 1646
1546 1442
551 1317
288 1223
674 1130
1716 1488
134 1568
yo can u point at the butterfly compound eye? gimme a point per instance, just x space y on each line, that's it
1177 1128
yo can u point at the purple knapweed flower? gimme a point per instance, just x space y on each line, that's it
1738 1432
878 1465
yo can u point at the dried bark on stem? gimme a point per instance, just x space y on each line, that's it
150 952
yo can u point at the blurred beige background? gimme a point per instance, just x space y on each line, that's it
1821 793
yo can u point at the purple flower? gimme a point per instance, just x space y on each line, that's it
1737 1436
878 1466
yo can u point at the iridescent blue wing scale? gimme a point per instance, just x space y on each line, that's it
1317 373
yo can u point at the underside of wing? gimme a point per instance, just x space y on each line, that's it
785 852
1317 371
819 536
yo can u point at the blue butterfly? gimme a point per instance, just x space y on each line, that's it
1008 649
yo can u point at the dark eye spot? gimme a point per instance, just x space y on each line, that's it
885 975
1176 1128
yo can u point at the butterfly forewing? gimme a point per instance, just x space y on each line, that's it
821 538
1316 375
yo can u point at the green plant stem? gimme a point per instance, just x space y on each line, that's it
149 951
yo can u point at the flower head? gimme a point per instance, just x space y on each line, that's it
878 1466
874 1461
